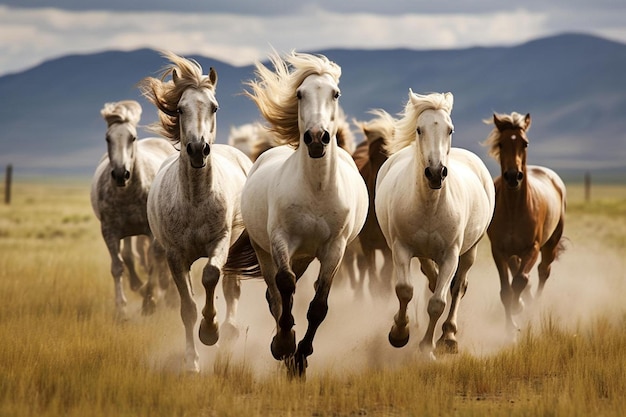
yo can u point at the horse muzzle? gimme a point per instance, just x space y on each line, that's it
198 151
435 176
316 142
120 176
513 178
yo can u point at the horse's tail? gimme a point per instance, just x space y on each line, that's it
242 259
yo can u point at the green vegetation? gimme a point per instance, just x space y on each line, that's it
62 354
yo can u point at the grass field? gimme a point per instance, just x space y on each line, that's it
63 354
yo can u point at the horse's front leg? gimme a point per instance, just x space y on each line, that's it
284 342
399 333
117 269
448 342
521 277
209 327
318 308
503 263
437 302
188 310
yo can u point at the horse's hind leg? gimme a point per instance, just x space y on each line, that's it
399 333
232 290
448 342
549 252
128 255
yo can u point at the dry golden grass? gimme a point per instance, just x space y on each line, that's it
62 354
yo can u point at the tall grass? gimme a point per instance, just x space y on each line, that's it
62 354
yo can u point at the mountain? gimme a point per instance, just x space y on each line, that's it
572 85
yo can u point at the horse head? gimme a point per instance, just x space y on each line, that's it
433 131
318 97
512 146
122 118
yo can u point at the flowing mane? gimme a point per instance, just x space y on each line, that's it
275 91
417 104
382 126
507 121
165 95
125 111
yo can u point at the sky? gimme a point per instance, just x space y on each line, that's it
242 31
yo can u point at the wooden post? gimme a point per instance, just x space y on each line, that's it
7 184
587 186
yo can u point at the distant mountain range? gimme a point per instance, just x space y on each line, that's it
573 85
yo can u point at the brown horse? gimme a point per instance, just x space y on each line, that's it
369 157
529 213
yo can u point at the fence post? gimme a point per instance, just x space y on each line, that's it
7 184
587 186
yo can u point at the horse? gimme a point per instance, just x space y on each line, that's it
529 215
434 202
369 156
194 203
304 199
119 194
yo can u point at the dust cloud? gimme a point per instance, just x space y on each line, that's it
586 282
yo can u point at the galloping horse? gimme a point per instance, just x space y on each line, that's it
529 215
433 202
369 157
119 194
303 203
194 203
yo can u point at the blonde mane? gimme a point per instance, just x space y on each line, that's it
512 121
274 92
125 111
165 95
405 127
382 126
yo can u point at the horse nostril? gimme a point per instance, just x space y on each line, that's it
113 174
326 138
189 149
444 172
127 174
428 173
308 138
520 175
206 149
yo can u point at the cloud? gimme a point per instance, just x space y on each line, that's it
30 36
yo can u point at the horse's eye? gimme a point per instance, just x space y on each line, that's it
525 145
215 109
179 110
451 131
337 95
298 95
107 138
419 131
133 138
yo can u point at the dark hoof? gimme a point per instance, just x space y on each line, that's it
208 332
447 346
148 307
283 344
398 337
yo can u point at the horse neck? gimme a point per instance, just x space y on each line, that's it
320 172
196 183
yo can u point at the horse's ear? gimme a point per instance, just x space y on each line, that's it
174 75
213 76
527 121
449 99
500 125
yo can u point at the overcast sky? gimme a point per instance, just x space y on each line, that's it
242 31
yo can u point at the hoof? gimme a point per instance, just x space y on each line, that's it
230 333
447 346
138 286
191 366
296 367
398 337
283 344
148 307
208 332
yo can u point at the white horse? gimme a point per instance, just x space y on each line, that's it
194 204
433 202
303 203
119 192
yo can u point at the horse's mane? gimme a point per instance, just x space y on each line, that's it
345 136
382 126
507 121
165 95
274 92
417 104
125 111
